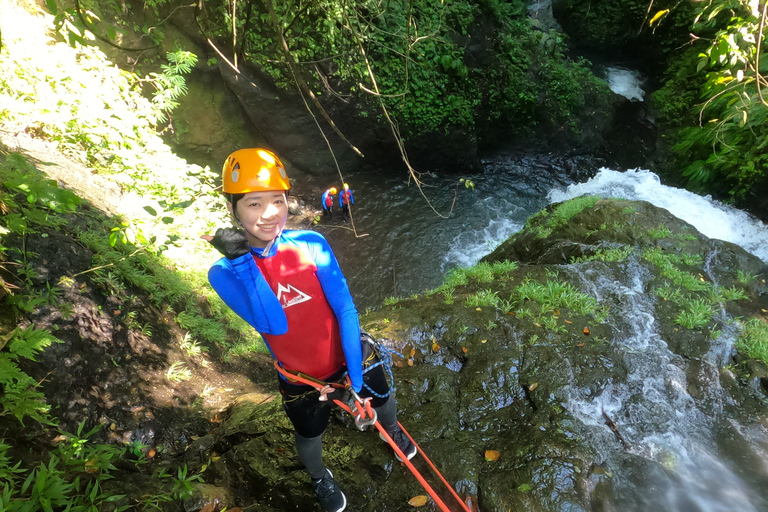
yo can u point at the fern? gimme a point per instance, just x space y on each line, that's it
28 342
19 395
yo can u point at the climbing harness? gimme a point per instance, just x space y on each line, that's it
365 416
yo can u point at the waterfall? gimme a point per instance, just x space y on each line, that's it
657 416
712 218
625 82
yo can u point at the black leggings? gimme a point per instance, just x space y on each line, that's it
310 416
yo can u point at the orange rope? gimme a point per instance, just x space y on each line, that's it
317 384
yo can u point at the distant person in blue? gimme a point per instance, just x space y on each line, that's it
327 202
345 199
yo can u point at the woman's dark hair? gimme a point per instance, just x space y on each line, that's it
234 198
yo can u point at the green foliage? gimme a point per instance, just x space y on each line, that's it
696 313
722 144
560 215
607 255
754 339
170 84
20 397
668 266
661 232
416 58
58 484
483 298
553 295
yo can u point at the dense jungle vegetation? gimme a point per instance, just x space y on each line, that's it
415 66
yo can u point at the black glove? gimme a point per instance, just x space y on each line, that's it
231 242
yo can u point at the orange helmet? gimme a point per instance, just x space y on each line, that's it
333 190
253 169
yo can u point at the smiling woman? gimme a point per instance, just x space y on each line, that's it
289 287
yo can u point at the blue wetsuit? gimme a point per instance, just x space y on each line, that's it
298 299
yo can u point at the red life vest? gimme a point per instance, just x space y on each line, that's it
312 344
328 200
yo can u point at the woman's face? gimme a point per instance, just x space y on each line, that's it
262 215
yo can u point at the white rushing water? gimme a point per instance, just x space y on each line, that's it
654 409
625 82
710 217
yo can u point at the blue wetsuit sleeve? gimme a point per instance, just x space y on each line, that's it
340 299
242 287
351 198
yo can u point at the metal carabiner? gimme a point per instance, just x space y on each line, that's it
365 415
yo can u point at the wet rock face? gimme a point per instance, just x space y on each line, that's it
570 365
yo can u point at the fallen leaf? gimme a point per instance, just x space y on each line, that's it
410 362
281 450
567 321
413 352
676 329
418 501
478 309
537 325
435 347
491 455
533 386
511 313
483 341
765 310
464 349
90 466
409 381
151 453
116 312
579 344
586 331
556 312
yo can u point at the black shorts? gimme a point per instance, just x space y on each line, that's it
309 415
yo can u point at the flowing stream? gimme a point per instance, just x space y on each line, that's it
702 456
408 248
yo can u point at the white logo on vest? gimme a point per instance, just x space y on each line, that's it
290 296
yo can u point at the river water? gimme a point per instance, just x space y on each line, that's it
408 248
713 460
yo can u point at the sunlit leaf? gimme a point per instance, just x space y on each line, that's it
492 455
586 331
658 16
418 501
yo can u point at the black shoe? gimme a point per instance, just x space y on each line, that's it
402 442
328 493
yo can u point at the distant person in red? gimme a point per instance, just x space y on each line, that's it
345 199
327 201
